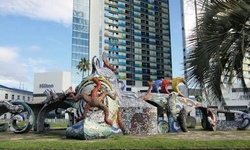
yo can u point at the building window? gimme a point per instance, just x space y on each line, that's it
18 97
12 97
6 96
23 98
128 89
129 82
28 98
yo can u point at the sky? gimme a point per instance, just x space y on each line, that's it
35 36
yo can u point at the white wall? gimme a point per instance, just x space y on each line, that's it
56 80
94 28
59 81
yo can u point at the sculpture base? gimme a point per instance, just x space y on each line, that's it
88 130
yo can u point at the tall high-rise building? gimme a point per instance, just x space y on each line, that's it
80 38
134 34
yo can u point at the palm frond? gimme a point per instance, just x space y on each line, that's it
83 65
219 45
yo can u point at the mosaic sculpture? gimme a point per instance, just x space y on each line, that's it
100 116
21 116
175 106
165 84
107 108
102 107
172 110
99 108
214 119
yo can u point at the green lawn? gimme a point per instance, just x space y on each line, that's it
59 141
196 138
124 143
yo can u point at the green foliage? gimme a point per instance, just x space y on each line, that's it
218 46
83 65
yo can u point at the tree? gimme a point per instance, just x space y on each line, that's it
83 65
218 46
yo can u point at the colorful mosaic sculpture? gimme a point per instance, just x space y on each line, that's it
99 117
102 108
214 119
22 116
99 108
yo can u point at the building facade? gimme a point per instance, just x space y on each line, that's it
7 93
134 34
80 38
59 81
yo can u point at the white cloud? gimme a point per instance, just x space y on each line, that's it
52 10
8 54
36 65
16 70
34 48
11 68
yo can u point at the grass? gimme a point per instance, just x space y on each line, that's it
56 139
58 125
161 141
117 142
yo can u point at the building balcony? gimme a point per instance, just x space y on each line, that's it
138 65
121 5
110 15
138 71
121 76
111 22
122 63
137 15
122 70
138 78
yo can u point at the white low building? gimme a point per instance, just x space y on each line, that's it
59 81
7 93
235 98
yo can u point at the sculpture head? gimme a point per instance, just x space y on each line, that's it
157 84
95 64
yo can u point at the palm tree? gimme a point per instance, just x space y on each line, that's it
83 65
218 46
